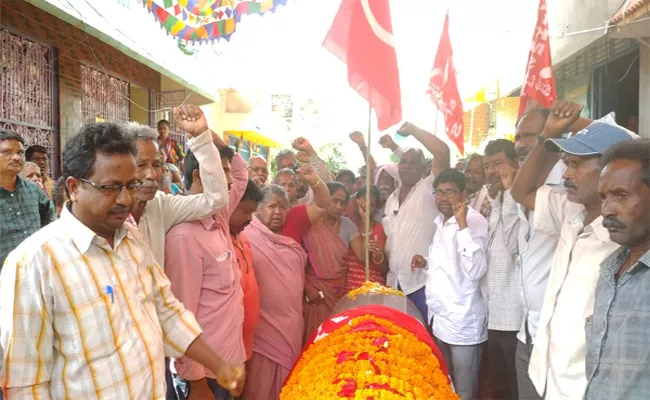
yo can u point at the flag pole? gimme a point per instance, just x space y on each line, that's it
367 196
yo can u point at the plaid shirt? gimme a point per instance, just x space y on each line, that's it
618 333
83 320
22 212
505 311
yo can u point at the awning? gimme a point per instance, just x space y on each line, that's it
255 137
631 20
630 11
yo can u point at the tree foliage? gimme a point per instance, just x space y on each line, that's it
332 154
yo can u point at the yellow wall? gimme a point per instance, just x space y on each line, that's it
140 97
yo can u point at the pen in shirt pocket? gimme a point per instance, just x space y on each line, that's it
225 256
109 290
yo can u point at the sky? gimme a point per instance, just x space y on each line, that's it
282 53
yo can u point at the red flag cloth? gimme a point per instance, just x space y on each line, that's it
539 83
396 317
362 36
443 89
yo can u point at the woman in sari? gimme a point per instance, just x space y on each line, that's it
328 243
356 275
279 263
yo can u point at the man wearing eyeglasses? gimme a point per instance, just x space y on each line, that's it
86 311
456 263
24 207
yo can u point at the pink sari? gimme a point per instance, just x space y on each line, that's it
325 272
279 264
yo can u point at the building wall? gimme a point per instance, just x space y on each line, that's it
507 113
476 127
644 92
73 51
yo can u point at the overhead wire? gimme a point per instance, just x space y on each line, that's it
99 63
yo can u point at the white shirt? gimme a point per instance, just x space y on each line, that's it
167 210
83 320
409 230
557 364
456 263
536 250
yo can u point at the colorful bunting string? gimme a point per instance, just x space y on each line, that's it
205 20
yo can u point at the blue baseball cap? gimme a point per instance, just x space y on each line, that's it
594 140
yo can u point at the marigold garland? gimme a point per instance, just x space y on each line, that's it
370 359
373 288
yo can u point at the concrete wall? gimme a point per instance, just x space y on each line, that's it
644 92
571 16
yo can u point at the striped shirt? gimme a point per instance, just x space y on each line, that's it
79 319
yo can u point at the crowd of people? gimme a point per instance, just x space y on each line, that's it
147 271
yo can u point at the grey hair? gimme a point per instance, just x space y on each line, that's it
269 190
283 153
285 171
22 173
137 131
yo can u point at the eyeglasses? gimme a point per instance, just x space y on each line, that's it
114 189
445 193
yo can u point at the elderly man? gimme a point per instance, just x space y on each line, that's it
557 364
617 342
409 215
24 207
155 212
258 170
106 314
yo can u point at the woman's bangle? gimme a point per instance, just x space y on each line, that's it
381 260
317 183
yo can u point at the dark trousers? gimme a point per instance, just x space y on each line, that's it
419 298
171 391
184 388
502 349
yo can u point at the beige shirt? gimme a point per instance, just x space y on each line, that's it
83 320
166 210
557 365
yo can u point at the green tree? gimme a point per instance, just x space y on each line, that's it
332 154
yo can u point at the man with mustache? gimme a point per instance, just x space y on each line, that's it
205 277
155 212
457 262
617 332
24 207
477 192
39 156
536 250
502 278
557 364
85 309
409 215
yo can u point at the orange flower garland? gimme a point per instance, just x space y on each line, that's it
372 287
370 359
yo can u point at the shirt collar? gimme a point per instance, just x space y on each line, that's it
83 236
601 232
209 223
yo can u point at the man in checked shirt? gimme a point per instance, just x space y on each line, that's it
86 311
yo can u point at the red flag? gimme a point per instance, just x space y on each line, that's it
539 83
362 36
443 89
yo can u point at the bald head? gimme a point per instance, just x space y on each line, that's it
258 170
32 172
